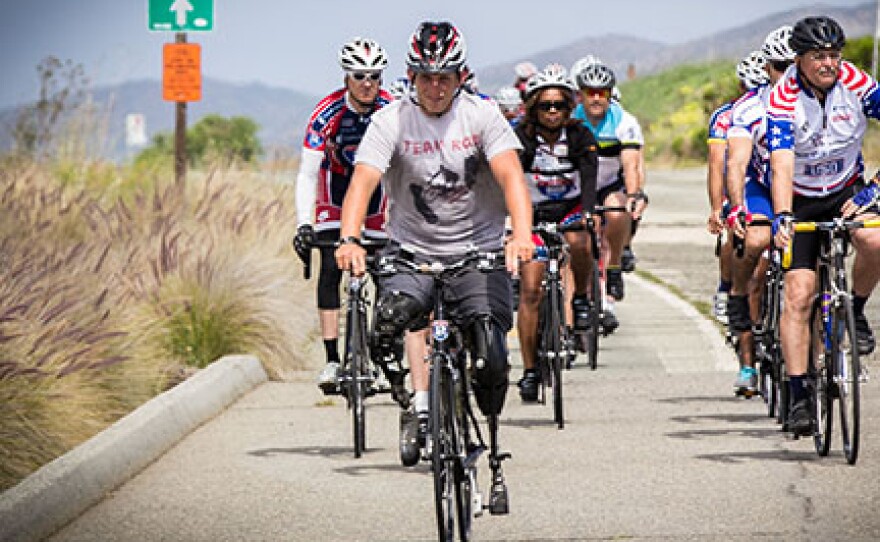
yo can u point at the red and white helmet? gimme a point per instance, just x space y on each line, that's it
361 55
436 48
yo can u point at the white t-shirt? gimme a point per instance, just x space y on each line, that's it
442 197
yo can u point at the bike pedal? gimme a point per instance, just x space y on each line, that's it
477 503
498 501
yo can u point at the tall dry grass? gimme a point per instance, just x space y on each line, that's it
111 289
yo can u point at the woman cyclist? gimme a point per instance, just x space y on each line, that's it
559 161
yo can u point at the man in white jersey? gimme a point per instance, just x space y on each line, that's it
751 208
816 120
449 165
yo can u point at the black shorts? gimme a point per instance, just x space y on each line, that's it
468 296
330 276
554 212
616 186
805 250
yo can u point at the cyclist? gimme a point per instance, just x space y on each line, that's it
510 103
751 74
559 160
751 208
816 121
448 161
399 88
619 176
524 71
334 131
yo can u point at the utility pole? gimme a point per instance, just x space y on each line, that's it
180 132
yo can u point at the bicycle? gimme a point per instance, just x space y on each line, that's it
555 342
773 380
596 291
455 441
356 373
833 352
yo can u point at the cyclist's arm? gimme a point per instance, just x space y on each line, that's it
354 209
739 152
782 191
715 181
508 173
588 167
307 184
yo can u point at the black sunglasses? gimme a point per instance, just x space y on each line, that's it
780 65
360 76
559 106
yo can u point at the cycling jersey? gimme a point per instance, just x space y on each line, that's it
719 123
444 199
552 176
748 120
826 140
618 130
334 131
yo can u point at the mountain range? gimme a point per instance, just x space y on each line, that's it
282 113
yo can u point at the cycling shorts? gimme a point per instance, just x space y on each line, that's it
758 200
616 186
563 212
805 251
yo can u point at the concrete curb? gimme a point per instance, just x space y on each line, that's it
63 489
725 360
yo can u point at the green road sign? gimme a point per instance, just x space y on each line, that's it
181 15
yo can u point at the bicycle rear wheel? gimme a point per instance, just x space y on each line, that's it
823 401
845 371
443 455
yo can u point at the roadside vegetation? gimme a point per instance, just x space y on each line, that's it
674 106
116 284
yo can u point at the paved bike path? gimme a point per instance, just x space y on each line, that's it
655 447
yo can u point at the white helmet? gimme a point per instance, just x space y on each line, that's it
751 71
552 76
470 79
776 47
361 54
582 63
525 70
615 94
596 76
399 87
508 98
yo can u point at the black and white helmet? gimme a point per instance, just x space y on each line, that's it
776 46
436 48
552 76
595 75
817 33
582 63
750 70
361 54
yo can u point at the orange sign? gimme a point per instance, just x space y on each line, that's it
182 72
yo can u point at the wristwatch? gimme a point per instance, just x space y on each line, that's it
348 240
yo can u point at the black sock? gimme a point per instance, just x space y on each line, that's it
331 350
858 303
797 385
724 286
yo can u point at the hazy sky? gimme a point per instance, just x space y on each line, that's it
293 43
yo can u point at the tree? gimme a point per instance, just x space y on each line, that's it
859 51
212 139
62 92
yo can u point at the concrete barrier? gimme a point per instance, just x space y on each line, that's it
62 490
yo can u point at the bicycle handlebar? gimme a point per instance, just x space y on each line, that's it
481 261
832 226
366 243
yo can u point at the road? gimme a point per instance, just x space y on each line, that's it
656 447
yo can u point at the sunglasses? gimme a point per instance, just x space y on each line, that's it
548 106
603 92
822 56
360 76
780 65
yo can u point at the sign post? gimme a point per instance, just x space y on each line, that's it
181 62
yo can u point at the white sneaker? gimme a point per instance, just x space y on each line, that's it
328 380
719 307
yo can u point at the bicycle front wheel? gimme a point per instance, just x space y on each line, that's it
443 454
846 370
359 373
595 318
558 354
823 401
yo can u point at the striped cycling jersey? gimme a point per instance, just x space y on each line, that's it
552 176
826 138
719 123
748 120
617 130
335 130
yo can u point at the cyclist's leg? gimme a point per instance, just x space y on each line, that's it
527 326
865 275
328 303
581 270
617 227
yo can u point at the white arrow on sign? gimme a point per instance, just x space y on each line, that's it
182 7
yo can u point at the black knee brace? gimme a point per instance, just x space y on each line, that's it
489 355
395 312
